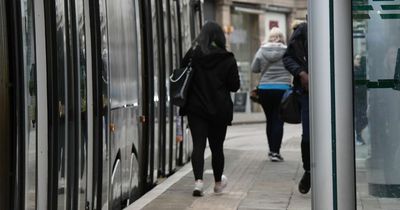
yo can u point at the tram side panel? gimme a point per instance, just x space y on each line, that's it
134 122
186 37
99 24
119 83
123 58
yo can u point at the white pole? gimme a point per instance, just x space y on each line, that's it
331 112
345 157
320 104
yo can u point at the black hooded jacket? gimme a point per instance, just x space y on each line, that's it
215 76
296 57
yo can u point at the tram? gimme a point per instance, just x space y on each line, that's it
86 120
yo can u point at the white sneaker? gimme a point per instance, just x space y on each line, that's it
198 188
276 157
218 188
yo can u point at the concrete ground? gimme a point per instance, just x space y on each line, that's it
254 181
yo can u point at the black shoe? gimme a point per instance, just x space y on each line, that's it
269 154
305 183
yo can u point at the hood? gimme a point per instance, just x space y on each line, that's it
300 32
213 59
272 51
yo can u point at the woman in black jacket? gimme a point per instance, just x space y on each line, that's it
209 106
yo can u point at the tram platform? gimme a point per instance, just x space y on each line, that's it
253 181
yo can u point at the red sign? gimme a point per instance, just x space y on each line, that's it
273 23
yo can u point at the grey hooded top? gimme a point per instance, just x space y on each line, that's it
268 61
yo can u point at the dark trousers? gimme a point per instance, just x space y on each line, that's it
270 101
360 108
215 132
305 139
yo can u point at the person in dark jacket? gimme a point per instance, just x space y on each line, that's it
295 61
360 99
209 106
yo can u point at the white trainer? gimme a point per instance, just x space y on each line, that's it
219 187
198 188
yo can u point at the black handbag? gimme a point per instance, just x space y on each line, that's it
180 80
289 109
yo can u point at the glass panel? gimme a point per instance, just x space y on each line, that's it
242 45
131 52
30 90
156 87
167 97
244 42
186 45
116 55
174 35
123 54
175 62
83 144
185 24
376 28
104 74
61 89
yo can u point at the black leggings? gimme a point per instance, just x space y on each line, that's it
201 130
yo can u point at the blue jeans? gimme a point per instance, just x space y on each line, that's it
270 101
305 139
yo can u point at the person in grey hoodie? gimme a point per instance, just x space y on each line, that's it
274 81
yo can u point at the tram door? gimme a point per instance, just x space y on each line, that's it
4 113
155 99
187 22
162 26
27 105
68 109
18 77
170 46
122 59
175 60
376 70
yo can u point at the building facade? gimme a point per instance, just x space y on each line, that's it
247 24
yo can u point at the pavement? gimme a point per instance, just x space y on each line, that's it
254 183
248 118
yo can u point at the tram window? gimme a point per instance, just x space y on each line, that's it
123 53
30 102
83 143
